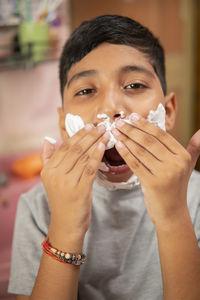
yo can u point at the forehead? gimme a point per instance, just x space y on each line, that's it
111 57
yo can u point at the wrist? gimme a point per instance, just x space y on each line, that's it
172 221
64 241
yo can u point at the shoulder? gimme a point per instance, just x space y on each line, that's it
195 175
34 206
194 182
34 193
194 195
31 225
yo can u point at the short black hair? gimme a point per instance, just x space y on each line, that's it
113 29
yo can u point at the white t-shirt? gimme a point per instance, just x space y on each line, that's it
121 244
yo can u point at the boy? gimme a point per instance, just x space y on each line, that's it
140 243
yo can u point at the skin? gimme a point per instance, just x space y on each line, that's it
161 163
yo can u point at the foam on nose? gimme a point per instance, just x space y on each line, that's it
109 126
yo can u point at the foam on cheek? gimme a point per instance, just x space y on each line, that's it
157 117
73 123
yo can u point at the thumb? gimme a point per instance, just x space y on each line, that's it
48 149
194 148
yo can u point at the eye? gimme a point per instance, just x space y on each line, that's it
85 92
135 86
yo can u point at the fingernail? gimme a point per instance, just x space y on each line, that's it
119 144
50 140
106 135
115 132
101 146
89 126
120 123
101 128
134 117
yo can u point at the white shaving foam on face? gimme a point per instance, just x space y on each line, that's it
109 127
157 117
74 123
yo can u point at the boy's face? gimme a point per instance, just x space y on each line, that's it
113 78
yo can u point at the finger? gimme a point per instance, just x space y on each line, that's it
90 170
63 150
146 141
80 148
134 164
47 150
193 148
162 136
79 167
149 160
104 139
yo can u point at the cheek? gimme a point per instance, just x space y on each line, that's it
88 112
145 103
64 134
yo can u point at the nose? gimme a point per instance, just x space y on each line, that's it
112 105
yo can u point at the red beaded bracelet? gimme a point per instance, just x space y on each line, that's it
65 257
50 254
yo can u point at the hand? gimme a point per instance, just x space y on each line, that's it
162 165
68 174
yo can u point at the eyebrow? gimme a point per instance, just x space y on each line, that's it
125 69
81 75
137 68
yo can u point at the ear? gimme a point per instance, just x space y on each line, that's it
171 109
63 131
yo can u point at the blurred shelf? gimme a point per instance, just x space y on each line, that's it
8 26
32 57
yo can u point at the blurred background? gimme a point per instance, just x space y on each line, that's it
32 34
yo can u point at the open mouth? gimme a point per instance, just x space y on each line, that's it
114 161
113 158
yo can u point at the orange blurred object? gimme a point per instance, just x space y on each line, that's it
28 166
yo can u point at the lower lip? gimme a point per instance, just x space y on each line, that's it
117 170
